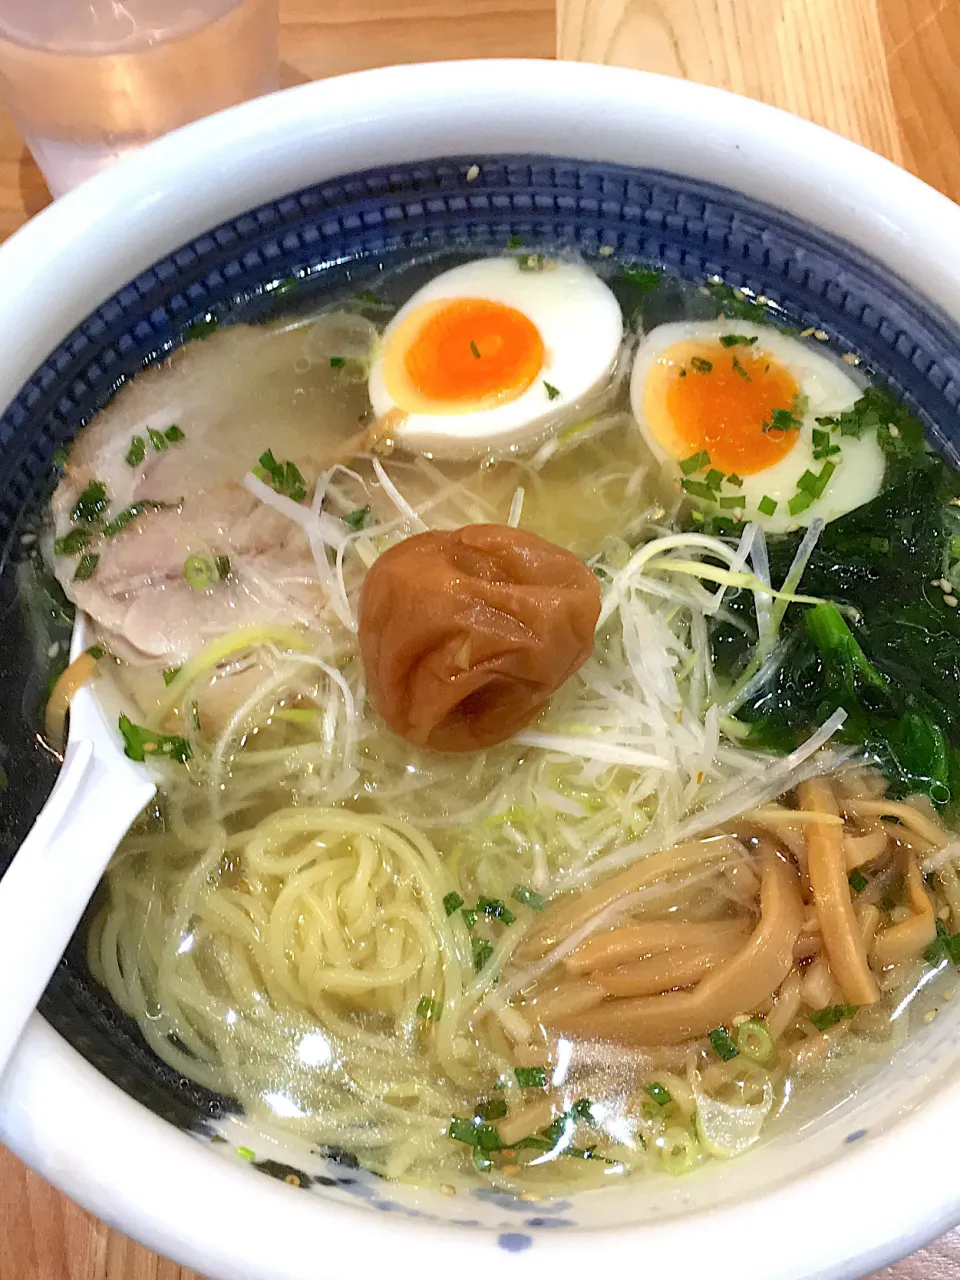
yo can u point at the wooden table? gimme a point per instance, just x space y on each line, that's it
884 72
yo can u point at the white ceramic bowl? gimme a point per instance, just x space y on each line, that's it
808 1203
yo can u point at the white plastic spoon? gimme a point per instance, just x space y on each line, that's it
46 888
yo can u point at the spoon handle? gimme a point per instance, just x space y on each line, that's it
47 886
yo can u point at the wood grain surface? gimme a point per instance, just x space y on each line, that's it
884 72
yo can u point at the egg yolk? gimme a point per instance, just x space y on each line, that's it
703 395
459 354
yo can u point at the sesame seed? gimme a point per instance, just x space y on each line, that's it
448 1189
821 335
949 993
27 539
605 250
945 585
951 601
808 333
894 431
292 1180
739 1019
473 173
929 1016
850 357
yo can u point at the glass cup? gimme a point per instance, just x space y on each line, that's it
89 80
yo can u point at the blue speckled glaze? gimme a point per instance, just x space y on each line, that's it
343 234
514 1241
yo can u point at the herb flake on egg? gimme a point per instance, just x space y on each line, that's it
753 409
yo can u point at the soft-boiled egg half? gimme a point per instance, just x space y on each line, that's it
491 355
734 406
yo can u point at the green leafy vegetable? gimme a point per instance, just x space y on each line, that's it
482 951
736 305
157 439
528 898
127 515
337 362
91 503
531 1077
174 434
137 451
285 478
86 566
553 393
723 1044
645 278
823 1019
696 462
140 743
202 328
357 519
73 542
782 420
223 567
857 880
452 902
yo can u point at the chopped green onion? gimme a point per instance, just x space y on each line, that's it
657 1092
695 462
699 365
223 567
532 262
474 349
85 567
698 489
195 715
463 1131
139 743
73 542
754 1041
137 451
782 420
59 457
515 242
96 652
857 880
767 505
495 909
174 434
737 500
452 902
156 438
337 362
482 951
246 1154
429 1009
552 392
531 1077
285 478
198 573
490 1109
723 1044
799 502
170 674
200 329
736 340
528 898
738 368
735 480
831 1015
470 916
127 515
714 478
357 519
91 503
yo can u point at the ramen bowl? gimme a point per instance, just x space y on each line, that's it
338 177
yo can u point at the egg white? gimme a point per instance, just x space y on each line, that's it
580 325
829 389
